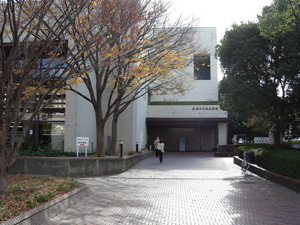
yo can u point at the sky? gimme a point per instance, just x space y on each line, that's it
220 13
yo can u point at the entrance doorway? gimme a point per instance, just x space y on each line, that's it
182 144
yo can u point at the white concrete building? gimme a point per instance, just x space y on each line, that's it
189 122
193 121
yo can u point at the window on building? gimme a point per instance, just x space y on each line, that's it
202 67
48 126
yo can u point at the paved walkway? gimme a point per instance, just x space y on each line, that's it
187 188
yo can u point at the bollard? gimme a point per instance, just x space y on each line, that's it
137 147
121 149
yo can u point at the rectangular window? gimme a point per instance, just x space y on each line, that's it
202 67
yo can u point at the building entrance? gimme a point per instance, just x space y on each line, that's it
185 139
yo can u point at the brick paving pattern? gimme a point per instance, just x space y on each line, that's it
187 188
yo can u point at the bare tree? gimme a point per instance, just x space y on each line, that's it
134 48
35 64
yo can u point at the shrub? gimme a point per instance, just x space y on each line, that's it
253 149
228 148
39 150
282 161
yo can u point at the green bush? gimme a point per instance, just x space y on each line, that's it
228 148
39 150
252 149
282 161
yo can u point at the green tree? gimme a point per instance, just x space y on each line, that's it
281 20
256 80
280 23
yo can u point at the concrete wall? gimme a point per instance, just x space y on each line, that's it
200 90
80 119
131 126
74 167
125 130
86 126
140 122
70 126
185 111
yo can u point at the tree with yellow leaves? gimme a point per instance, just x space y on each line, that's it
35 63
134 49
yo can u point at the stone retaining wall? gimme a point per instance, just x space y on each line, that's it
75 167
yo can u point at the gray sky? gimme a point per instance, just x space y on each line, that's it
220 13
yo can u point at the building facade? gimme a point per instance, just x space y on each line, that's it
191 121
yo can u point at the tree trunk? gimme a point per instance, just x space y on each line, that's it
3 177
277 133
114 128
114 135
100 151
277 137
3 170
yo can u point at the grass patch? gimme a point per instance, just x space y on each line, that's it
27 192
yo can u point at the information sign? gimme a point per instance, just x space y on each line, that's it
82 141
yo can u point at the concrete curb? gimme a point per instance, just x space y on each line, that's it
44 212
287 182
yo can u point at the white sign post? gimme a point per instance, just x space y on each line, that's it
82 141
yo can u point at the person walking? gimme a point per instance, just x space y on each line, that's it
161 150
156 142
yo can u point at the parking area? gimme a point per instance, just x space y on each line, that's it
187 188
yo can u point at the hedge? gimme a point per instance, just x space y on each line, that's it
284 161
